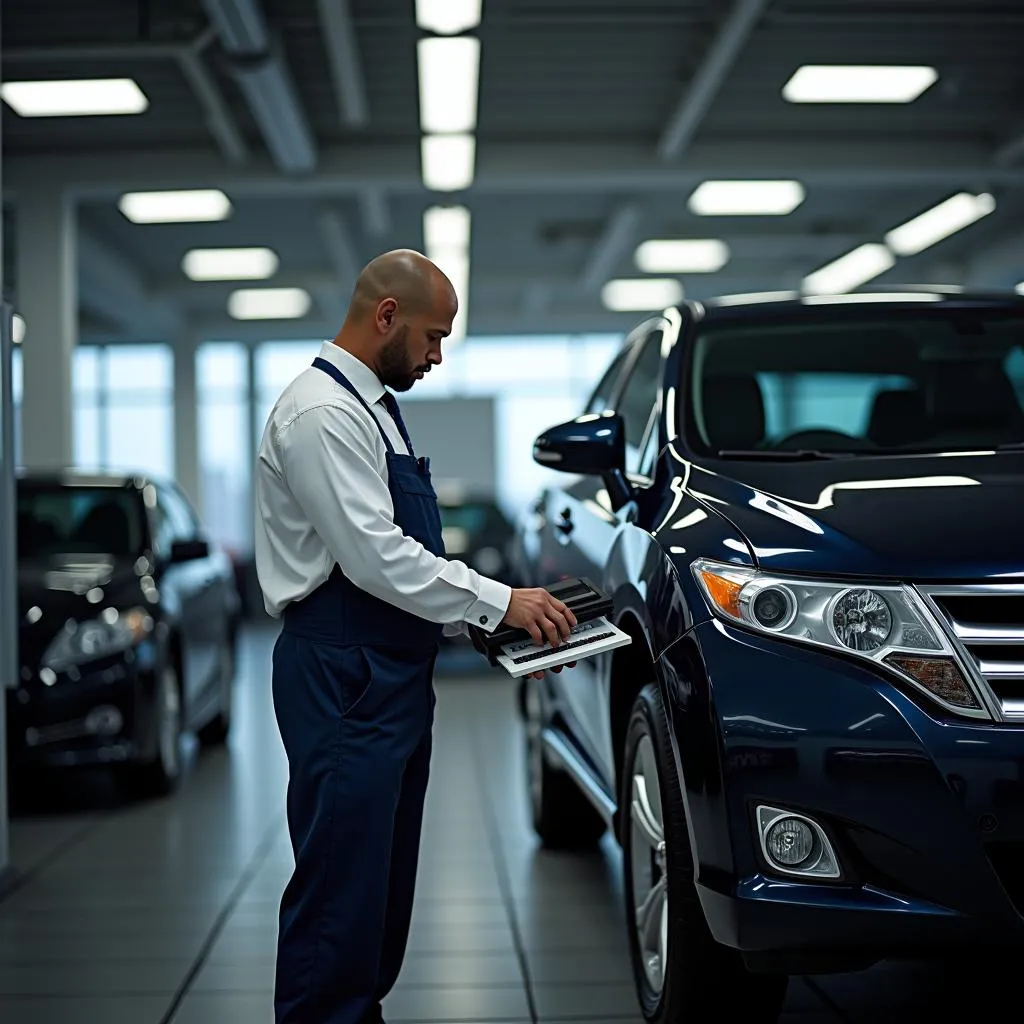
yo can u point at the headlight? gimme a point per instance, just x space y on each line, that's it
80 642
887 624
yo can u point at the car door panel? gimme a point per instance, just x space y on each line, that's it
581 531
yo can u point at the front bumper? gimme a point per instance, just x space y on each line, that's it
101 714
926 814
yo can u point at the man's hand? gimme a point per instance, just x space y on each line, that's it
544 617
557 668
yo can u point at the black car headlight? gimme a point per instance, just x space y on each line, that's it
886 624
109 633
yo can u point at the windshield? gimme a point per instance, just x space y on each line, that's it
943 381
62 520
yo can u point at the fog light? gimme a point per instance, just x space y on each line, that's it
790 841
105 720
794 844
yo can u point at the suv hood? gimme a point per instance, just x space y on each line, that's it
932 517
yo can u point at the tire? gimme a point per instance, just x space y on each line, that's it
215 732
563 818
681 973
160 775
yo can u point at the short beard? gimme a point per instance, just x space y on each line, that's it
393 362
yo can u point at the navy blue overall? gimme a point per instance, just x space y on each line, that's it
354 698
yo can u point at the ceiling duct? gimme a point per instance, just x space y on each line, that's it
257 63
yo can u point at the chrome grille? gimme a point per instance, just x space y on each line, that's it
987 623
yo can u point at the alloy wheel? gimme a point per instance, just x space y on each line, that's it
649 865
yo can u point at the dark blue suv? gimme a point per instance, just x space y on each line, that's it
810 514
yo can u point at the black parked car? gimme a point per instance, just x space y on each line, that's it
477 532
127 632
810 514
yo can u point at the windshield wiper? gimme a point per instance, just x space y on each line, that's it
799 454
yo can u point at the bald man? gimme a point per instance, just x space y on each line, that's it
349 555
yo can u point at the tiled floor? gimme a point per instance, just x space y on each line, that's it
166 912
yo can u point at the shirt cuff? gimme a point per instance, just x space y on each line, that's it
489 608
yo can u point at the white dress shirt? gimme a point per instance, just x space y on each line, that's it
321 496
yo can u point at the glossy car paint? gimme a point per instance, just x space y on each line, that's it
194 605
914 799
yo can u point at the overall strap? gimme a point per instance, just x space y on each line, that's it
332 371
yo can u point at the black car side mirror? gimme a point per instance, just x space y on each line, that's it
591 445
189 550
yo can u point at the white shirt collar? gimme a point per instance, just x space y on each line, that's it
361 377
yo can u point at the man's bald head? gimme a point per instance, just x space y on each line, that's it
414 282
402 308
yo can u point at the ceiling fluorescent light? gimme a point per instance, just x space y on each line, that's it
175 207
269 303
682 256
822 83
446 227
1020 288
230 264
75 98
850 271
953 215
18 329
746 198
447 161
641 294
449 73
447 17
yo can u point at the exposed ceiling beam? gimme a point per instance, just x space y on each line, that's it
219 120
505 291
339 36
218 115
340 251
373 203
1010 152
709 78
259 69
618 234
999 264
109 286
521 169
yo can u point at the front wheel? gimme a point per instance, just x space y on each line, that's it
681 972
160 775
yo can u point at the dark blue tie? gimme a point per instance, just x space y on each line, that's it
391 404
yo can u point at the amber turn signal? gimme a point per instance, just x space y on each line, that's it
939 675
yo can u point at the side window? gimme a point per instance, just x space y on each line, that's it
602 396
171 521
637 400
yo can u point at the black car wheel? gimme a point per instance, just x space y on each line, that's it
215 732
160 775
681 972
563 818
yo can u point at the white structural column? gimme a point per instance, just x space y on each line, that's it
47 291
8 584
186 419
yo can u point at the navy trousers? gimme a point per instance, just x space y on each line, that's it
356 723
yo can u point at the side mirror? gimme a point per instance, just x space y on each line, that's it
189 550
590 445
